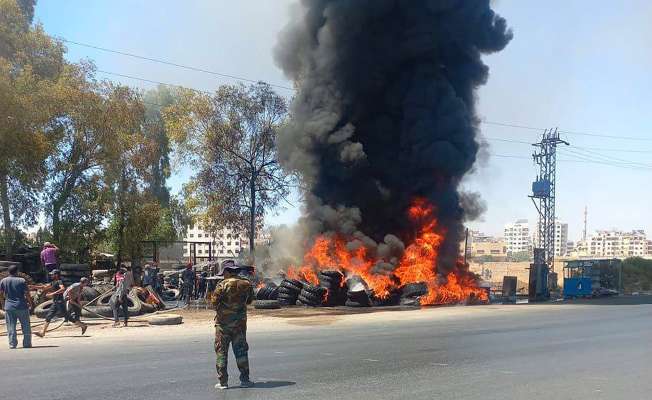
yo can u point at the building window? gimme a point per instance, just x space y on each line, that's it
191 235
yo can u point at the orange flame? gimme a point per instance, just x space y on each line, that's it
418 264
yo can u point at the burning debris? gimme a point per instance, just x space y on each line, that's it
383 129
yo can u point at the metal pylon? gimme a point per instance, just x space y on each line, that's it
543 192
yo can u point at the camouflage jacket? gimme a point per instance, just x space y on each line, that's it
230 300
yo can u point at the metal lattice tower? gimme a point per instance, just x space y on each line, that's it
543 192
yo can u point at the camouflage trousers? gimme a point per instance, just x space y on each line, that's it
236 337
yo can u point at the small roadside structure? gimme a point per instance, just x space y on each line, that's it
593 278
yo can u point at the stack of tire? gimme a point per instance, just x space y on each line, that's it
357 294
332 281
311 295
288 292
267 292
411 293
267 297
4 265
72 273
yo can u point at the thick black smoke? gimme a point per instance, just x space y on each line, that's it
385 109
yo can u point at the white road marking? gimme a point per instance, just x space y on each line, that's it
370 360
439 364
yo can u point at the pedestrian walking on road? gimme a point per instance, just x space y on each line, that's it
55 292
230 301
72 295
49 258
17 305
119 297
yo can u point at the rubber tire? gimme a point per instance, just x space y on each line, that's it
134 309
147 308
350 303
169 319
105 311
414 289
285 290
170 294
311 297
266 304
332 274
89 293
292 284
74 267
316 290
42 309
310 301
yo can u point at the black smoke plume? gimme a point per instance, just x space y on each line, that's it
385 110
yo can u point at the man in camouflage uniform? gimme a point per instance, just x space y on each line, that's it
230 300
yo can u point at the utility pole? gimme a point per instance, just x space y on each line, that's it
543 197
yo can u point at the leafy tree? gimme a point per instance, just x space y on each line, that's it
519 257
154 100
230 138
31 64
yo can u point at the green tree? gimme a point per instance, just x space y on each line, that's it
31 65
154 101
230 138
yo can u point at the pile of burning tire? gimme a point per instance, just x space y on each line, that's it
332 290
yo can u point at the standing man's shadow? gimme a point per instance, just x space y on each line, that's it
268 385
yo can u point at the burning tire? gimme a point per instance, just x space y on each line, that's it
415 289
266 304
358 297
288 291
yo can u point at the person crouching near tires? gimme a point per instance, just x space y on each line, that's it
72 295
230 300
119 298
54 291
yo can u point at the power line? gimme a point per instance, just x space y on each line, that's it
152 81
532 128
170 63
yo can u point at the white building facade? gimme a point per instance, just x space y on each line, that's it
561 238
226 244
617 244
518 237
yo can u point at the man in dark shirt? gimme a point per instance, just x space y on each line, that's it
54 291
17 299
188 277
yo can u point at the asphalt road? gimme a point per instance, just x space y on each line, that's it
489 352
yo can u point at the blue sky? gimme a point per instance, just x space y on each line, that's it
580 65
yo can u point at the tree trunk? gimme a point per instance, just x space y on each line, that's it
252 217
6 214
121 213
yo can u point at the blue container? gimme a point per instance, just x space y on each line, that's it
577 287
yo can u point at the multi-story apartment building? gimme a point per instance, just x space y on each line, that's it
227 243
561 238
518 237
618 244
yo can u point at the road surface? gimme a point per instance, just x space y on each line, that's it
585 351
